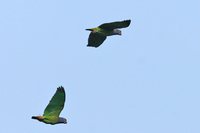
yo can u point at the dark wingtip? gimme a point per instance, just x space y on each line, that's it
91 46
128 22
60 88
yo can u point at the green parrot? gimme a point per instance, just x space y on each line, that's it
99 34
53 109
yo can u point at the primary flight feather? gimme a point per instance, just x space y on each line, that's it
53 109
99 34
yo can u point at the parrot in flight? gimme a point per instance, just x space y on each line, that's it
99 34
53 109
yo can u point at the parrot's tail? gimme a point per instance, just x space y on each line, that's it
39 118
34 117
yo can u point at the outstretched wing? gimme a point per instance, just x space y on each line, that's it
115 25
95 39
56 103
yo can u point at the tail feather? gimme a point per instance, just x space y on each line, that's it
89 29
39 118
34 117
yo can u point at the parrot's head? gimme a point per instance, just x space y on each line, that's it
62 120
117 32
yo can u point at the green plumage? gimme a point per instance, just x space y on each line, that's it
99 34
115 25
56 103
54 108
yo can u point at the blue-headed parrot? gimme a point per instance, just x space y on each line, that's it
99 34
53 109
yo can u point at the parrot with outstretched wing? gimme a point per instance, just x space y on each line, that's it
53 109
98 35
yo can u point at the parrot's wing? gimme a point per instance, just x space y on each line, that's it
95 39
56 103
115 25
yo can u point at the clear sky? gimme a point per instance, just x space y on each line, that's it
145 81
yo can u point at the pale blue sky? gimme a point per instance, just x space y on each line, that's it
145 81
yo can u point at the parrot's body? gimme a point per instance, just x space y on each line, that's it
53 109
99 34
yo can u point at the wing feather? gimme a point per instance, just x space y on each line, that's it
115 25
56 103
95 39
